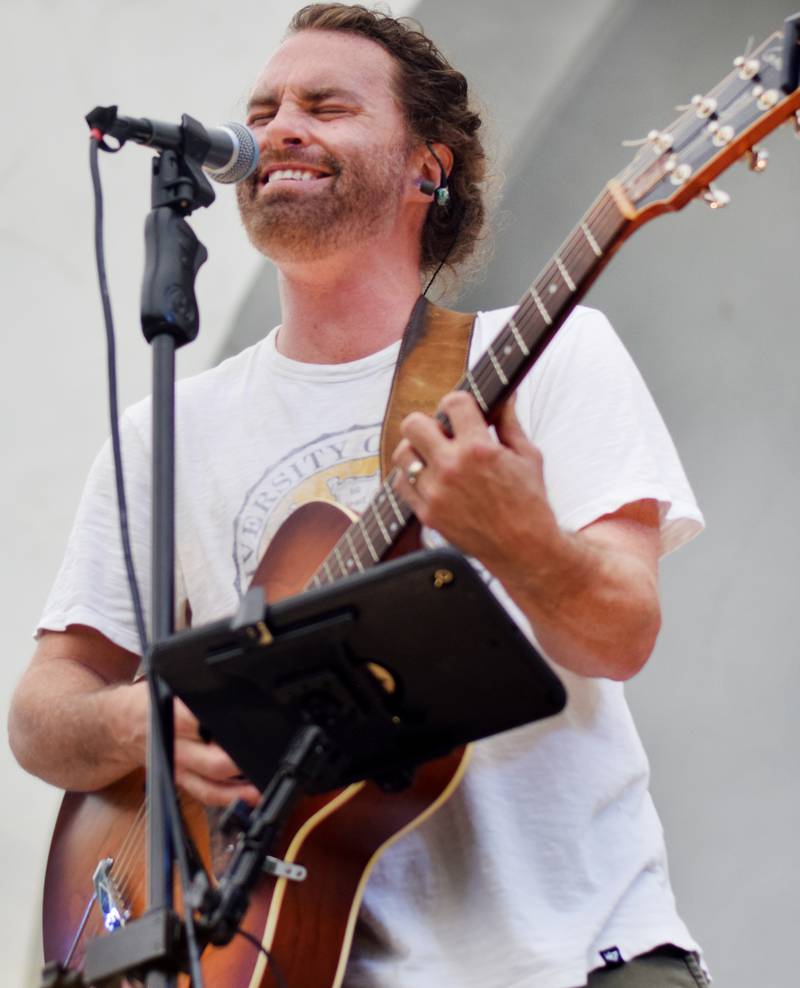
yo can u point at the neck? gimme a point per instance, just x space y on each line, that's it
346 306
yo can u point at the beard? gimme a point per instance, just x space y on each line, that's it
358 202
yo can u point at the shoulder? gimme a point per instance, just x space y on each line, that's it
582 319
213 392
585 336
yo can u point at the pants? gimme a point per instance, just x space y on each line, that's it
664 967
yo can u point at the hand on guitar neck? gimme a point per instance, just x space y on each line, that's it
79 723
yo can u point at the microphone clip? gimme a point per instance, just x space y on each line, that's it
101 120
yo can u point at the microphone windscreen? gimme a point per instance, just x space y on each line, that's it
244 156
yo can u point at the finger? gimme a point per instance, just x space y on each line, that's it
509 427
403 454
466 418
424 434
208 760
211 792
186 724
407 483
510 431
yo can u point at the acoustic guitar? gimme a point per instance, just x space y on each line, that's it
96 868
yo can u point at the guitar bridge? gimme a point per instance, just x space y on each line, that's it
109 898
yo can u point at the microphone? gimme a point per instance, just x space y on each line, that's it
232 153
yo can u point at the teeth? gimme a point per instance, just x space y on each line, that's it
295 174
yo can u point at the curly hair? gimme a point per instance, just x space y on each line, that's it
434 98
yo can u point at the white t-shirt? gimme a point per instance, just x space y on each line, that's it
550 851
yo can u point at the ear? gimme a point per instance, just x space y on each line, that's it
427 167
444 154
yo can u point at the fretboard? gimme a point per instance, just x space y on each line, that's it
542 310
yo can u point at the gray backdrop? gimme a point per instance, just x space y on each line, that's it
704 301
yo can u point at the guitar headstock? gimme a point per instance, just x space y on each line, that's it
680 162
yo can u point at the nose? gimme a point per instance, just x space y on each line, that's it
287 128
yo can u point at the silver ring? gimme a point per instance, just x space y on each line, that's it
415 468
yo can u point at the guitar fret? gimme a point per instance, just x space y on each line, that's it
395 507
476 391
355 554
368 540
518 337
327 567
376 514
590 237
564 273
540 306
340 560
496 364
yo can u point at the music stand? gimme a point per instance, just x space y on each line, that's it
398 665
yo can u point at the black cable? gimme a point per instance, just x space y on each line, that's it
273 964
175 822
113 408
446 255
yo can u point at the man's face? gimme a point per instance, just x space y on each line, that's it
334 147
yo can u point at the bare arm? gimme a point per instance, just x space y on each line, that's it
78 722
591 596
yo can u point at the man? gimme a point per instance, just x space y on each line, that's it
548 862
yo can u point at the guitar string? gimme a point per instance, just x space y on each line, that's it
130 846
136 851
138 888
130 852
130 881
139 879
92 921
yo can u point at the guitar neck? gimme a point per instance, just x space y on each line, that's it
542 310
547 303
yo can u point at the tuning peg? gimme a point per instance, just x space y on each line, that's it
705 106
748 67
716 198
758 159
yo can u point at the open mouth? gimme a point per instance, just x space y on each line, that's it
276 175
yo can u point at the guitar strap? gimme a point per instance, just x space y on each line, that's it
432 360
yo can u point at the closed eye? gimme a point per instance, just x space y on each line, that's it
329 111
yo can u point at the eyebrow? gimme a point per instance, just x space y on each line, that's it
318 95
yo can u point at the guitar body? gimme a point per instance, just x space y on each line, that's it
307 926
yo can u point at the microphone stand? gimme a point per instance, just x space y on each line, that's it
150 946
170 319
